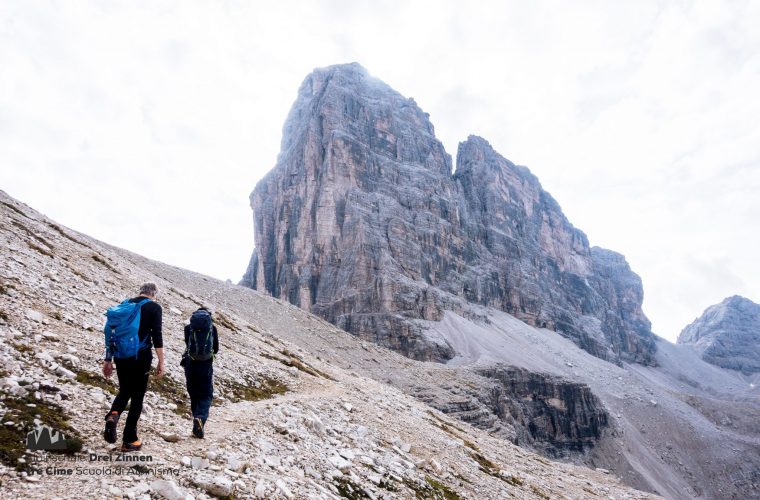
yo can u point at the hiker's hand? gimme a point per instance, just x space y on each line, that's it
107 369
160 369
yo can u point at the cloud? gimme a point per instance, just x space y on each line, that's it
139 123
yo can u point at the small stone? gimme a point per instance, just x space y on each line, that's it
340 463
348 407
34 315
261 489
200 463
187 461
170 437
283 488
220 486
167 489
63 372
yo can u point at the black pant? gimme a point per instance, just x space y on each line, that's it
199 376
133 382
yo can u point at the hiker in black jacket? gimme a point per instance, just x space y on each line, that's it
202 344
133 372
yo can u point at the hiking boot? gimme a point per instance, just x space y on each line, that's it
127 447
112 421
198 428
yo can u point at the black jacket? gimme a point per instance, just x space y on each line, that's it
151 315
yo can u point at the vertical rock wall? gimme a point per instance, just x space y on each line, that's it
362 222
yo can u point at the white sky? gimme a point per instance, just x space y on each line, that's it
147 124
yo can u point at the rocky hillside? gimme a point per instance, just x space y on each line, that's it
363 223
290 421
727 335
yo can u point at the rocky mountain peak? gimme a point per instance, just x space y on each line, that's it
362 222
727 334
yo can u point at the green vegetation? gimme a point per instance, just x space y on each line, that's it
39 249
95 380
172 391
349 489
267 388
514 480
22 348
63 233
293 361
102 261
23 411
537 491
447 492
431 489
221 319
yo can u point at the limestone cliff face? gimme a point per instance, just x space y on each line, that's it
727 335
362 222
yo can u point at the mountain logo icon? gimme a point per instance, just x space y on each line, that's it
45 438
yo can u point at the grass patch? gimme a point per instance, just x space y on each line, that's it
33 234
59 230
462 478
538 492
39 249
172 391
471 445
223 320
296 363
95 380
438 486
443 422
514 480
22 348
431 489
5 287
349 489
80 274
492 469
13 439
102 261
266 388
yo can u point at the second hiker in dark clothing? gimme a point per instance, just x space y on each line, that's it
133 370
202 343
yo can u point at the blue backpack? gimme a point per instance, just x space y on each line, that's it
200 343
122 329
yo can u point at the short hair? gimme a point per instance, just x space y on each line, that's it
149 289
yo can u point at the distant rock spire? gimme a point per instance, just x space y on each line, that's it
727 335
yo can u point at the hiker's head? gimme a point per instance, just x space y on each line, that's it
149 290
